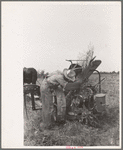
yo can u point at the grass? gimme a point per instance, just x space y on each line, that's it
73 133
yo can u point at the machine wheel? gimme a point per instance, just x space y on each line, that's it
59 112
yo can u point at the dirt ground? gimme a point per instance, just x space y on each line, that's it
73 133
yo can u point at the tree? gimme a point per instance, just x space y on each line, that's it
113 72
86 57
41 74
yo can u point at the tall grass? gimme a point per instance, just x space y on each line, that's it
73 133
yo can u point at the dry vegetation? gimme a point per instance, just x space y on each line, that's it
74 133
86 56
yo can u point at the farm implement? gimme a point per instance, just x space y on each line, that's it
86 104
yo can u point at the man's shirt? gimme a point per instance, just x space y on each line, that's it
57 78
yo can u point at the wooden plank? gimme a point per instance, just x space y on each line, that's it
25 108
33 103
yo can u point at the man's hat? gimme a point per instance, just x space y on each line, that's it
69 74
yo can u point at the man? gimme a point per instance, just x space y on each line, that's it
55 80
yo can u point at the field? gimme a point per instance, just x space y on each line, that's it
73 133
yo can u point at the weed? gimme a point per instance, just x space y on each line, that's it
74 133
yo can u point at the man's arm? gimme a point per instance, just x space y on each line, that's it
66 85
72 86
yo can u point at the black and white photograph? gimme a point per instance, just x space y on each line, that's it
61 74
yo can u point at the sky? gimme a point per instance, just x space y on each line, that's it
44 34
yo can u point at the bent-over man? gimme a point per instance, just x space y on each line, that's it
55 80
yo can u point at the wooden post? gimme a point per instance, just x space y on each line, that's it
33 103
25 109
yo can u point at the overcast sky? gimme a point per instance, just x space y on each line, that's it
44 34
